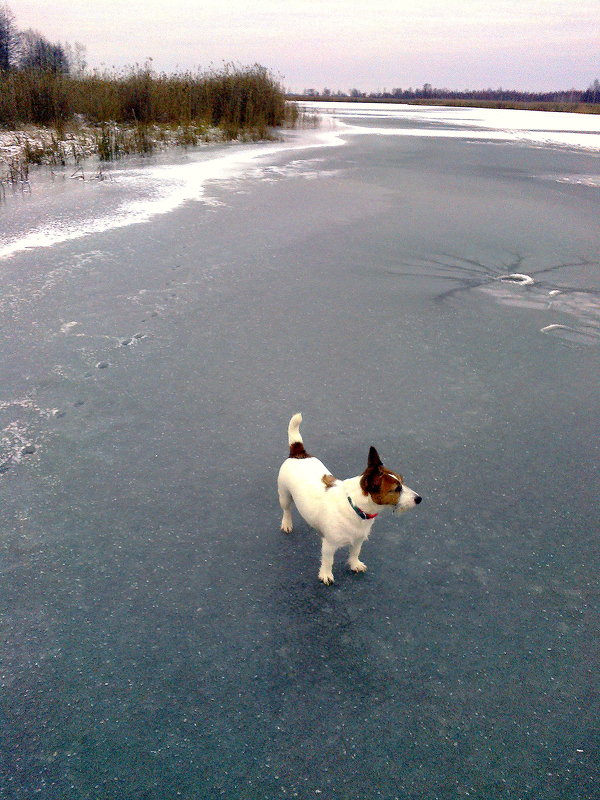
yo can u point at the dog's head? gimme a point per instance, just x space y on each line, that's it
385 487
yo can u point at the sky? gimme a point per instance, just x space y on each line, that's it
530 45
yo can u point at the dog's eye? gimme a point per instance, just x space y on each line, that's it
399 487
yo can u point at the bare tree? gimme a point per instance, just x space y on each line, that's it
76 58
9 38
36 52
592 94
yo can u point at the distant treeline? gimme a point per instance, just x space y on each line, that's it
31 50
428 92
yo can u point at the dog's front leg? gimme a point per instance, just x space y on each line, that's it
326 571
355 564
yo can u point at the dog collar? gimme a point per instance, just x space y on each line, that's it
362 514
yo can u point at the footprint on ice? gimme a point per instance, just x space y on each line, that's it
576 335
137 337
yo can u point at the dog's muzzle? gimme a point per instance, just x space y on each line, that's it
401 509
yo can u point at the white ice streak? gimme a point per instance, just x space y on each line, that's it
584 334
517 277
165 188
579 180
545 128
67 326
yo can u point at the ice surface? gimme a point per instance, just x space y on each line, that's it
130 195
161 637
545 128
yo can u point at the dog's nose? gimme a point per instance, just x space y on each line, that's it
418 499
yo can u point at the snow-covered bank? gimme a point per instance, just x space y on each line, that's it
16 144
46 146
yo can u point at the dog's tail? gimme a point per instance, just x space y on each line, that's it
294 430
294 439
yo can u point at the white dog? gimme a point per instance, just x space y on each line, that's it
342 511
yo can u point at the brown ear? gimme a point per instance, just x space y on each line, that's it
374 460
371 478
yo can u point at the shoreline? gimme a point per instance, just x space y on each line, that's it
38 145
42 146
45 145
565 107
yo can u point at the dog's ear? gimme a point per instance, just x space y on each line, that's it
374 460
371 478
370 481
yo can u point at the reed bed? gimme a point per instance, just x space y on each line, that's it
131 108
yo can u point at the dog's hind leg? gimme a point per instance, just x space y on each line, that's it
286 502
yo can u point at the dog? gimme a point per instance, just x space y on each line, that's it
342 512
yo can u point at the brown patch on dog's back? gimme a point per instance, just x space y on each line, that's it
329 481
297 451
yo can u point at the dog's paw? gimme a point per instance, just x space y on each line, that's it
358 566
326 577
286 523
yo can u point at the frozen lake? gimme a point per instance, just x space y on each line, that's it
425 280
